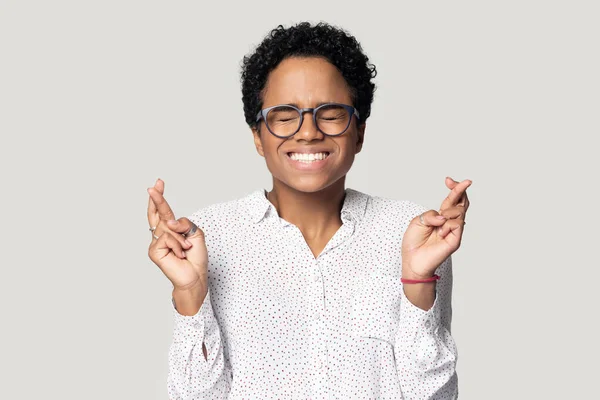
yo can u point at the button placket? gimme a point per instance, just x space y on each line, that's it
319 328
318 291
316 302
319 301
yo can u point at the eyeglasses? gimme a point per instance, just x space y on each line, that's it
284 121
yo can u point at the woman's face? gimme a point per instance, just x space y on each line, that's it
308 82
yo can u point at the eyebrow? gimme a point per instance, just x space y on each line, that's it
318 104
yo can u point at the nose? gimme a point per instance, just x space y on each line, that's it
308 130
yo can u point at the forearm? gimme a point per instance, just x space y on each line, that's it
197 365
189 301
426 352
421 295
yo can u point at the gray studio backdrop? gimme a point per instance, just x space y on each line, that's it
100 98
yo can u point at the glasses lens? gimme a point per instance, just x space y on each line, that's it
283 120
333 119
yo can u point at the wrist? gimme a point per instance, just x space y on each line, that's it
421 295
433 279
189 300
408 273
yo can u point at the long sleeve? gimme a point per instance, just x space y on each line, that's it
191 376
425 351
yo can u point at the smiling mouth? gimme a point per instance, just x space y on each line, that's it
308 158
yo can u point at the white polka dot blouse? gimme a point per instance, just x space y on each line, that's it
279 323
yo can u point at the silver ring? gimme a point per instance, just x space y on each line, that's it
193 230
152 229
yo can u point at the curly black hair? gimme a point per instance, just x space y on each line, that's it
305 40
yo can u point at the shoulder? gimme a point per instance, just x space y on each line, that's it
393 217
394 211
225 214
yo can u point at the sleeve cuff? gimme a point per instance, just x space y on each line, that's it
195 326
414 319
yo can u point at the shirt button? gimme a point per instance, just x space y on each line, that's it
427 324
318 364
198 325
317 315
317 277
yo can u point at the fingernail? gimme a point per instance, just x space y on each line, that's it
183 253
440 217
187 242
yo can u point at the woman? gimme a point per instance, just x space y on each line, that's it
310 290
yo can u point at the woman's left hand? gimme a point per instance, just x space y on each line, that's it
426 244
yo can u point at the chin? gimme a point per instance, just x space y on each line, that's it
310 184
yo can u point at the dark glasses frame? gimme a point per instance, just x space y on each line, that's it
262 114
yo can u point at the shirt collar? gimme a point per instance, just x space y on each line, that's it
354 207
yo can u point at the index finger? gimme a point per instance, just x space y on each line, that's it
456 193
152 209
164 210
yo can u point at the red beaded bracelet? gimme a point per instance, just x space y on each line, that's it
432 279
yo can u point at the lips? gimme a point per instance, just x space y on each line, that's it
308 161
308 151
307 157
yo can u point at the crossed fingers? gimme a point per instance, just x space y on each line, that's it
158 208
159 213
456 204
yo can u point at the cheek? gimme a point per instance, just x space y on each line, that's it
270 149
348 147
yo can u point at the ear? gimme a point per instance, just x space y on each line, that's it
361 137
257 141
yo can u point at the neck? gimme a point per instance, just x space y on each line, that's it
316 214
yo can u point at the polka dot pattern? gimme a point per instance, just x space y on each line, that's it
279 323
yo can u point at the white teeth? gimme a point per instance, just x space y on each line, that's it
308 158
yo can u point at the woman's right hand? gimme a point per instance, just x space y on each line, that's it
182 259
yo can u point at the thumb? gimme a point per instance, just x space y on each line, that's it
450 183
430 218
197 254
